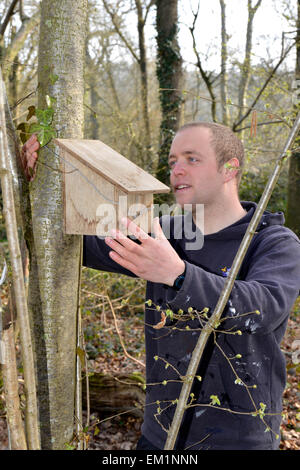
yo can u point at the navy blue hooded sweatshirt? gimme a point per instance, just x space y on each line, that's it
246 372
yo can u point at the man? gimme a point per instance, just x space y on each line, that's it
236 397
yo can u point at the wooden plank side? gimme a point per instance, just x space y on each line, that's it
138 207
86 195
141 211
112 165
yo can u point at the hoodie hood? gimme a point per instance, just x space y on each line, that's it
268 218
237 230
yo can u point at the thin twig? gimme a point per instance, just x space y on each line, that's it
120 337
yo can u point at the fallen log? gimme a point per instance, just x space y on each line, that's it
112 394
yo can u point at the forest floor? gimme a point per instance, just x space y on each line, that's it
106 355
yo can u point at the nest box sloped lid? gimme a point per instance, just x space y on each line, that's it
111 165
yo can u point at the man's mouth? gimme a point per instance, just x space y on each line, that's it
181 187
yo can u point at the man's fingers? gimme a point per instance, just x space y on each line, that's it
120 241
123 262
135 230
29 156
157 230
32 148
31 141
31 161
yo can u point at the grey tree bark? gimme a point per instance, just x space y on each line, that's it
55 257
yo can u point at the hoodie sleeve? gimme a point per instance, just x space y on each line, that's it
96 256
271 286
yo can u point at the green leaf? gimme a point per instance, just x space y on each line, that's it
215 400
169 313
44 133
44 116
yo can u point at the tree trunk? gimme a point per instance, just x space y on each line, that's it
169 74
55 257
293 207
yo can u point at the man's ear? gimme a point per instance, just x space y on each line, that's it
231 169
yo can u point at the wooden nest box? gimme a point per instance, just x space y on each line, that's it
101 186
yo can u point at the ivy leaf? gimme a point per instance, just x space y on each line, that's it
44 116
23 126
31 112
25 132
44 133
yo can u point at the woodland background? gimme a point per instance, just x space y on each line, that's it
148 69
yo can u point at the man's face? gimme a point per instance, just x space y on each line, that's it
195 177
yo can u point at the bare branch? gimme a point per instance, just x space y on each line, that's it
206 76
112 15
8 16
224 75
245 70
269 78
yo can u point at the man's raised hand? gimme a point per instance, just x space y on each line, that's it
154 259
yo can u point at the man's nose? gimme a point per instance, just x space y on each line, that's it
178 168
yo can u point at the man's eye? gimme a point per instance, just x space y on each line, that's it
193 159
171 163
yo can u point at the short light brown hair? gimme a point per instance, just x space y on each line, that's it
224 142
